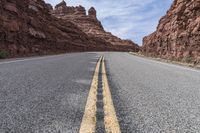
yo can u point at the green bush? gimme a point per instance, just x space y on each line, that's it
3 54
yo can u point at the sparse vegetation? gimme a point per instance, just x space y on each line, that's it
3 54
188 59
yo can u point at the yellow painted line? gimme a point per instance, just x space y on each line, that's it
110 118
88 124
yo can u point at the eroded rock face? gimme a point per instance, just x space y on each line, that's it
90 25
178 33
28 27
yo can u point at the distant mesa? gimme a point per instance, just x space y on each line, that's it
90 25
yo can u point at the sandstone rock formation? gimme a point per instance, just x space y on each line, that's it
178 33
28 27
90 25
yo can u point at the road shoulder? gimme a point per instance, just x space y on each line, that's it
190 65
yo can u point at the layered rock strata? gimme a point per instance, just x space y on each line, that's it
27 27
90 25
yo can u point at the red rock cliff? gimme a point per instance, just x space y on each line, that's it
28 27
178 33
90 25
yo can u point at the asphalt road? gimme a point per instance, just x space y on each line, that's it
49 94
45 95
154 97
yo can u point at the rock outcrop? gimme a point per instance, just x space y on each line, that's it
27 27
178 33
90 25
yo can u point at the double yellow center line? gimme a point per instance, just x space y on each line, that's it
89 120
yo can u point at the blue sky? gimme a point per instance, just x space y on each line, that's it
128 19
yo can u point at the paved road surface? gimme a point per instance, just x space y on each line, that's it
49 94
153 97
44 95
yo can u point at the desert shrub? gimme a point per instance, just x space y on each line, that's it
3 54
188 59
